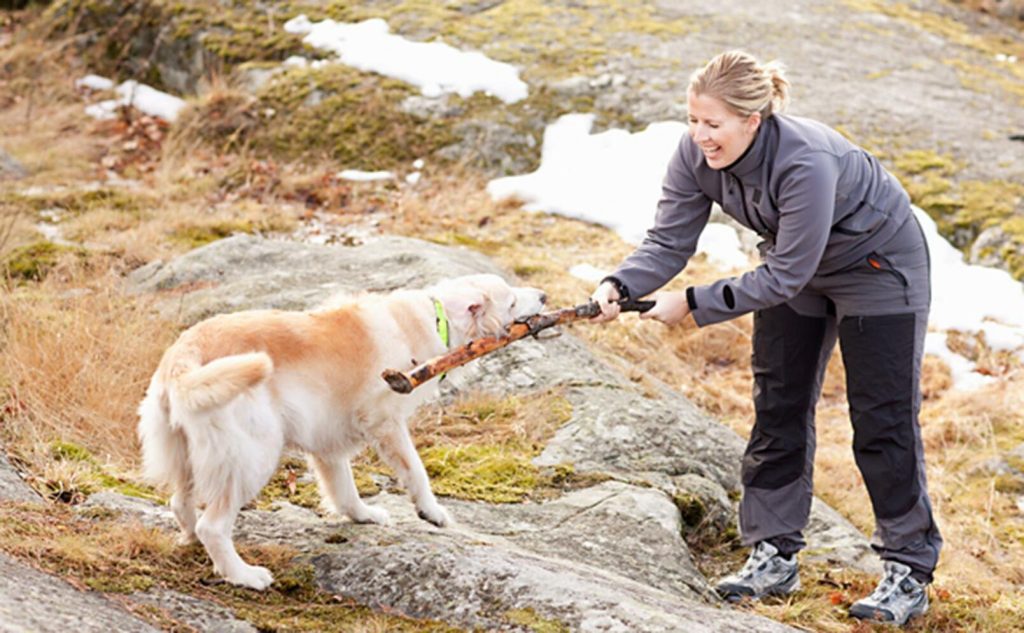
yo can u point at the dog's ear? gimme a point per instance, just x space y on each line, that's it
470 309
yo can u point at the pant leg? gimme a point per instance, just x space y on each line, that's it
883 321
791 352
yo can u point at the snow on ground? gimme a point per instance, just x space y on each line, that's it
435 67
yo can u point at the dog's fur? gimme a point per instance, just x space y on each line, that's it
236 389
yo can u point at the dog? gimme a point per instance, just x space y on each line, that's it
236 389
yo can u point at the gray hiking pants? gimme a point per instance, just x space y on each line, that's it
878 310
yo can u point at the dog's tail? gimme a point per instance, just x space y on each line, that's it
219 381
179 389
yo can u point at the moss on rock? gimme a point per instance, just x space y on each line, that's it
33 261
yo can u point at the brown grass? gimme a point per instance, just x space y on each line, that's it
77 351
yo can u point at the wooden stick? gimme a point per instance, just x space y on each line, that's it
406 382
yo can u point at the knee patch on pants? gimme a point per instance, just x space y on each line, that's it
878 353
787 348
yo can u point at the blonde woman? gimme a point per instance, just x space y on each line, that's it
842 258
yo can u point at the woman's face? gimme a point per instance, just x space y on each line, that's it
720 133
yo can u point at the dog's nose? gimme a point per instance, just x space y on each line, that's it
543 298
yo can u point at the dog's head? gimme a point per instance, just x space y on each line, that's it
485 305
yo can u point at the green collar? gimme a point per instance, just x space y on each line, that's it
442 322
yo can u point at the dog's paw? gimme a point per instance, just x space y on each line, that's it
186 540
258 578
370 514
435 514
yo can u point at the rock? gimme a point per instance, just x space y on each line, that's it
988 247
833 539
604 526
10 167
609 558
199 614
430 107
32 601
245 272
12 486
479 586
495 147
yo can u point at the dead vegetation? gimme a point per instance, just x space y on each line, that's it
77 351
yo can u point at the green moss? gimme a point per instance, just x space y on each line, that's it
70 452
32 262
286 485
120 584
127 487
79 201
986 203
493 473
198 235
691 509
93 477
297 579
964 209
451 238
554 481
919 161
531 620
1010 484
491 456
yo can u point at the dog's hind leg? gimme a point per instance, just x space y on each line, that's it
184 508
339 489
214 530
397 449
166 458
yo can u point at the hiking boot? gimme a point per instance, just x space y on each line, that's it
766 573
897 599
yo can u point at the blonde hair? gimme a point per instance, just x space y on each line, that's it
743 84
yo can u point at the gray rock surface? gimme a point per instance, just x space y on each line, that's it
10 167
34 602
199 614
245 272
12 486
605 559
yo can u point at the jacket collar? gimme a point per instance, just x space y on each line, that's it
752 159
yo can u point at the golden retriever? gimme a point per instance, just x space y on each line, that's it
236 389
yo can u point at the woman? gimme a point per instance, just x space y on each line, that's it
842 257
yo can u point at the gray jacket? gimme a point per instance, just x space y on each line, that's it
820 202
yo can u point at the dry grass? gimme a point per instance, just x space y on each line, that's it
77 351
77 355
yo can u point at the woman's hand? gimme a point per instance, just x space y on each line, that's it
606 297
670 308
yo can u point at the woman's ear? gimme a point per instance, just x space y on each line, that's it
753 122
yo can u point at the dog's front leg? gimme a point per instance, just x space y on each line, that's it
397 449
338 486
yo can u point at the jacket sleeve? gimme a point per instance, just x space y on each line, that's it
683 210
806 201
